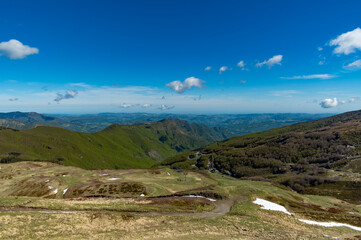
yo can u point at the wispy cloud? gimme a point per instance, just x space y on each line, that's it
353 99
13 99
181 87
84 85
348 42
275 60
164 107
312 76
284 93
65 95
242 65
354 65
146 105
208 68
125 105
223 69
14 49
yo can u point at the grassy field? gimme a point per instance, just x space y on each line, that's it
28 206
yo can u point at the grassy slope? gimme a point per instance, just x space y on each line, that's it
118 146
299 156
245 221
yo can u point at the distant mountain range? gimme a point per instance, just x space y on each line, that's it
237 124
117 146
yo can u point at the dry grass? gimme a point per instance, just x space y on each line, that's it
107 219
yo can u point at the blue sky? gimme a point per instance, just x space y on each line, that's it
150 56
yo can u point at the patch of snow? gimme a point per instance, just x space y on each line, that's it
55 191
142 195
351 213
196 196
104 174
168 173
113 179
47 181
65 190
50 187
267 205
330 236
330 224
64 175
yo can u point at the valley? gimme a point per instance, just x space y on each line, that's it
172 178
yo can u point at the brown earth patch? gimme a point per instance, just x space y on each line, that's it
99 189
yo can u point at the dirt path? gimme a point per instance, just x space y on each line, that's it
222 208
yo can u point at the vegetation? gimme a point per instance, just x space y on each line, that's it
298 156
158 214
231 124
118 146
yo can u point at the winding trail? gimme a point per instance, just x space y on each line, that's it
222 208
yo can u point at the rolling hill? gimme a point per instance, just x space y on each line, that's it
322 154
117 146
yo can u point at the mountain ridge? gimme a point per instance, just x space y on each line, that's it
118 146
301 156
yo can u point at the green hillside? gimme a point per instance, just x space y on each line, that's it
322 155
118 146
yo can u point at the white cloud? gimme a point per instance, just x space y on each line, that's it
241 64
243 81
13 99
354 65
284 93
319 48
124 105
181 87
14 49
348 42
84 85
277 59
66 95
223 69
207 68
330 103
146 105
312 76
353 99
165 107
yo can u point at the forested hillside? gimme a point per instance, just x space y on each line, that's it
299 156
